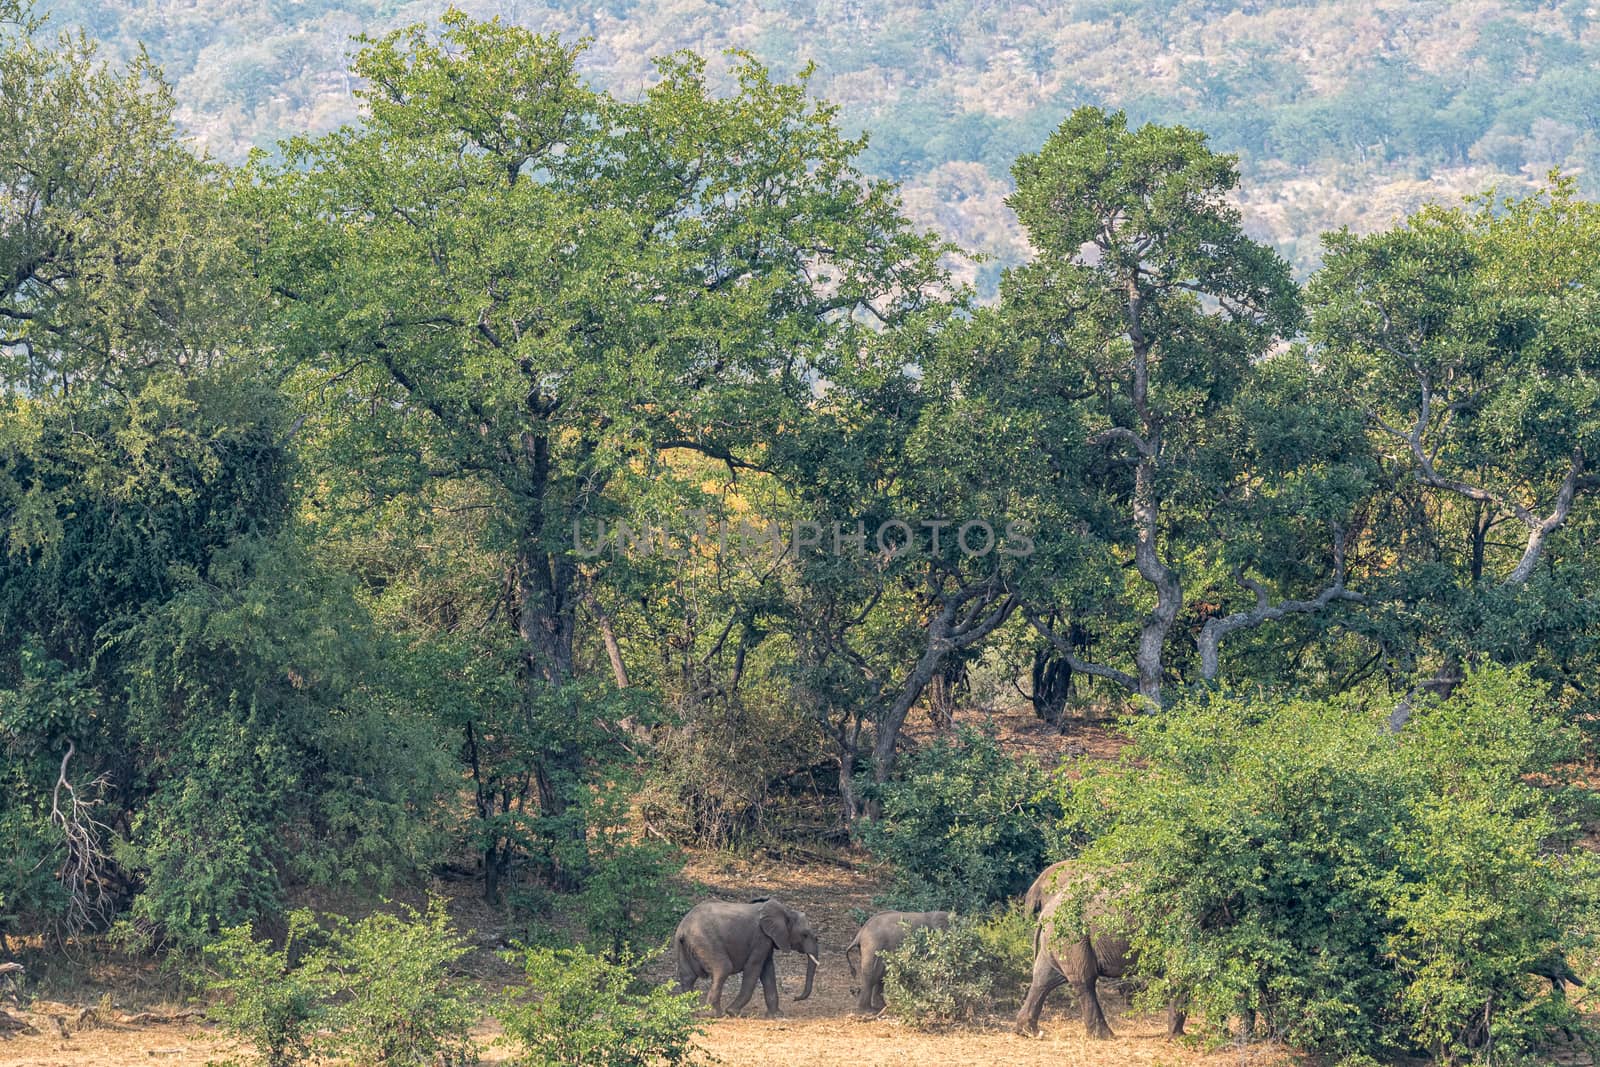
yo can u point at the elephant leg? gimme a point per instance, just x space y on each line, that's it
878 967
687 975
747 980
1045 979
769 985
714 991
865 998
1094 1020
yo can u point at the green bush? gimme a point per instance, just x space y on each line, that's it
395 1001
627 894
263 999
1357 892
588 1011
963 826
959 974
374 991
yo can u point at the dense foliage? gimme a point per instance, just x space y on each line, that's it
964 827
1288 860
976 968
379 990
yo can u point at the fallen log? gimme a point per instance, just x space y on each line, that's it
14 1024
152 1018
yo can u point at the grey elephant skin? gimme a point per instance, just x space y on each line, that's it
1051 880
717 940
884 932
1077 956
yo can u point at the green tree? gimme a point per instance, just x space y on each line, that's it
1137 331
189 702
1465 338
505 281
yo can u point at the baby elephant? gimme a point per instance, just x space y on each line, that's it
717 939
885 932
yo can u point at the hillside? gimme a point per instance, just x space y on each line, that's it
1343 113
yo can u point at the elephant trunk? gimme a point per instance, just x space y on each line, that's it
811 973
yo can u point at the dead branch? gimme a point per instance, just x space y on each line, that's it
83 869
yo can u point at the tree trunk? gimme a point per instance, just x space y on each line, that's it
546 621
619 670
1052 687
847 736
945 635
889 729
1168 589
1147 516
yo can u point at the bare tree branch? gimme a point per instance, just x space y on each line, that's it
1216 629
1064 648
83 870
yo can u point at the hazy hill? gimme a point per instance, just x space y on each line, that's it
1343 112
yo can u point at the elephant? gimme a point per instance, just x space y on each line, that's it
1044 886
885 932
718 939
1078 957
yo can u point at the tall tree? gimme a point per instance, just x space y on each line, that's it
189 703
505 280
1143 317
1466 338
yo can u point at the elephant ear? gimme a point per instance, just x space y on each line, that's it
775 922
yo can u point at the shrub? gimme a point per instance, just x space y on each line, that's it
627 895
375 991
589 1011
265 1000
1358 892
963 826
956 975
1007 939
717 772
395 1001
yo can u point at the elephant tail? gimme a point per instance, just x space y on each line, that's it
680 948
855 946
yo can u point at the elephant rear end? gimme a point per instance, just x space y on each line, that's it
885 932
690 970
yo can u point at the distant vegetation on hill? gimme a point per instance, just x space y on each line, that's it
1344 113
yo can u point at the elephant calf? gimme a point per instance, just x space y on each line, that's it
1078 957
885 932
717 939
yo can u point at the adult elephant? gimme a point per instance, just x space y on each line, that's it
717 940
1051 880
1078 954
885 932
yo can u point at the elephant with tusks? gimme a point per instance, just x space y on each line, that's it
717 940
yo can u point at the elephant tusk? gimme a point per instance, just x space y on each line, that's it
813 959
